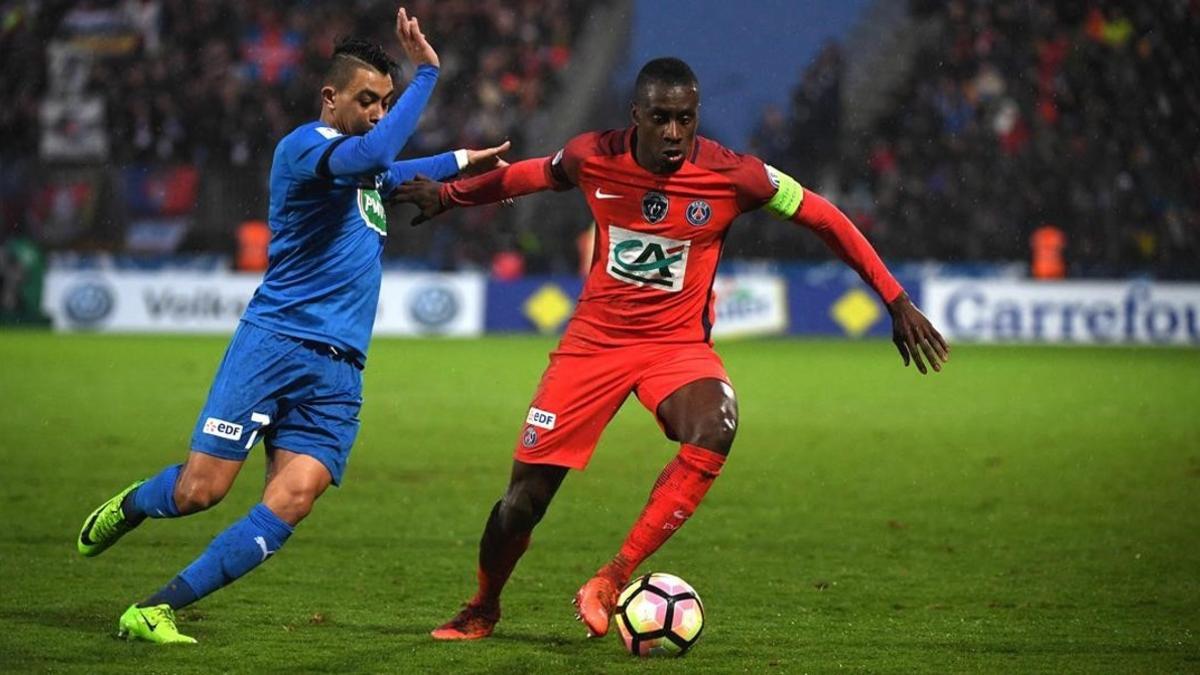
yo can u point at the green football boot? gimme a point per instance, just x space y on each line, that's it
152 624
106 525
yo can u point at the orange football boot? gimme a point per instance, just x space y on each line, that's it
474 622
596 600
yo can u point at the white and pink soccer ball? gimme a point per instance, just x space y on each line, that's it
659 614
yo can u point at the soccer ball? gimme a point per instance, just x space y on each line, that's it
659 614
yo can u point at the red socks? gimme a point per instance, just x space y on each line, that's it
677 492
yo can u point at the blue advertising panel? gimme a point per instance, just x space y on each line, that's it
819 300
829 301
533 304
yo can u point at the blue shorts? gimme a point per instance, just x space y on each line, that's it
294 394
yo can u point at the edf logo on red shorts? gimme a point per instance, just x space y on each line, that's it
541 418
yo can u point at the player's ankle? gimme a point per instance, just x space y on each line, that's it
129 511
486 604
618 570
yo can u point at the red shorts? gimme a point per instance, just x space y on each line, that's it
581 390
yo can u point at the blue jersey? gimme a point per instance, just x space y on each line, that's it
328 224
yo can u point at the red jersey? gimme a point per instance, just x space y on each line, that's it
658 236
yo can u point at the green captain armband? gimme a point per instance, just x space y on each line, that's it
789 194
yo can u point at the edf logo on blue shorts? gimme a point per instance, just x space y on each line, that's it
295 395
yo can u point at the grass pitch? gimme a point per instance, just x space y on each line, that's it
1029 509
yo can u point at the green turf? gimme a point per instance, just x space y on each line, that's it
1030 509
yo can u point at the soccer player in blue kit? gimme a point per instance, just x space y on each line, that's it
292 374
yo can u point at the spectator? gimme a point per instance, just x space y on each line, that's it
1016 114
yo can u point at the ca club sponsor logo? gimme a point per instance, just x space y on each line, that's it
646 260
222 429
530 437
88 303
433 306
698 213
370 207
654 207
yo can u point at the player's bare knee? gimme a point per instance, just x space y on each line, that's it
516 513
293 511
292 506
292 500
520 511
715 431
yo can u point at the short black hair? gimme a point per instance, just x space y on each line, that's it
668 71
352 53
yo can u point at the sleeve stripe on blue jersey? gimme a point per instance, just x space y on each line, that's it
323 163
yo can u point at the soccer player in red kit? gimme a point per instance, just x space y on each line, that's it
663 199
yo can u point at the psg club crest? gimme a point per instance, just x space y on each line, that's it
698 213
529 438
654 207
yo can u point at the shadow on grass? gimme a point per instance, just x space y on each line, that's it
91 622
417 636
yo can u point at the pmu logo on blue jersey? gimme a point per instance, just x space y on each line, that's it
434 306
88 303
654 207
698 213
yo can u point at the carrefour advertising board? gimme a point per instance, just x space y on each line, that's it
994 310
1067 312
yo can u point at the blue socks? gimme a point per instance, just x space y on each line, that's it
176 594
155 498
233 553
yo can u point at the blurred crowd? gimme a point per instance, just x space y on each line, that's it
220 81
1079 115
214 84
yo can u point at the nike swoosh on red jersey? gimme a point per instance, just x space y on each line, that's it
600 194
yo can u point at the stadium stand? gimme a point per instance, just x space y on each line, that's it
1083 116
153 112
146 125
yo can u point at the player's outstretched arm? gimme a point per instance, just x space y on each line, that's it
443 165
434 197
912 332
373 152
412 40
482 161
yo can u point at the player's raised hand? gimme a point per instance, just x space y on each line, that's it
426 194
416 47
482 161
914 335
